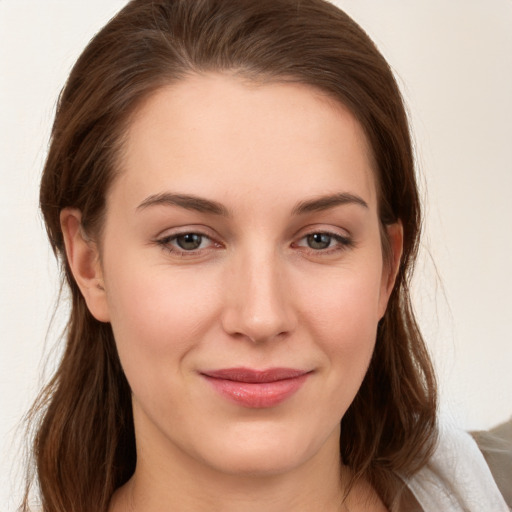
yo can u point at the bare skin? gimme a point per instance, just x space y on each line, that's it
242 232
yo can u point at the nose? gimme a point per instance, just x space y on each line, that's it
258 301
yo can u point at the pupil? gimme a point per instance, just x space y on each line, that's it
189 242
319 241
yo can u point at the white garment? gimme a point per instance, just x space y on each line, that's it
457 478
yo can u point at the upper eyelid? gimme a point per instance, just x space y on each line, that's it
184 230
205 231
323 228
173 236
342 241
180 232
166 243
332 234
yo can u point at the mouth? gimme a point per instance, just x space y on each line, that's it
256 388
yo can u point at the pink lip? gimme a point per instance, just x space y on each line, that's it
256 388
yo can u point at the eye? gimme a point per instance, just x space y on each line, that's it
186 243
324 242
189 241
319 241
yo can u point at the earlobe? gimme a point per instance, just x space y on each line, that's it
395 234
84 261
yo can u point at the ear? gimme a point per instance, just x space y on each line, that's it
84 261
395 235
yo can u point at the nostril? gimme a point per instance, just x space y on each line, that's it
240 323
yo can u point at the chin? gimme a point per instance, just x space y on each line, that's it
265 451
258 461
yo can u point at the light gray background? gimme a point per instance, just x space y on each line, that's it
453 60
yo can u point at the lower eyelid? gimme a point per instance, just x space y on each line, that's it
343 242
342 239
173 238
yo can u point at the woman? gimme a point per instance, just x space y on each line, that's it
230 188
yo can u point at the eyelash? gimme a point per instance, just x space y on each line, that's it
166 244
343 243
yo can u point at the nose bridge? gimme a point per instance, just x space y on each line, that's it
258 302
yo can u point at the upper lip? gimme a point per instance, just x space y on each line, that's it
255 376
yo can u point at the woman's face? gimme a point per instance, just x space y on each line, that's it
243 272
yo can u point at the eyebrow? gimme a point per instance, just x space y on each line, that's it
200 204
326 202
187 201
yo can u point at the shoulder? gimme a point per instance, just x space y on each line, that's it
457 477
496 447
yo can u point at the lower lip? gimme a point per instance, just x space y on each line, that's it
257 395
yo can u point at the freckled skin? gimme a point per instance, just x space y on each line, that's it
256 293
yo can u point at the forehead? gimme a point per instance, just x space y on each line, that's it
216 131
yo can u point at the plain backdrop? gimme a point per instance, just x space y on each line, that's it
453 60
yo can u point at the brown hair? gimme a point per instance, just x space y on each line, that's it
84 447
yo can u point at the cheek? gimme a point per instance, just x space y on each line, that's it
349 332
348 301
343 320
154 315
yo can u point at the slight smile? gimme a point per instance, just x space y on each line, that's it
257 388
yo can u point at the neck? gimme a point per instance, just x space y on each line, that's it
177 482
169 477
